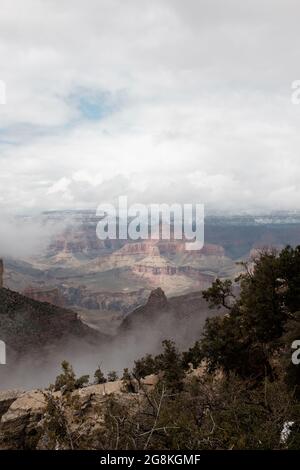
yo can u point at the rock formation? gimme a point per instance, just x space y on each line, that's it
147 247
157 299
22 414
178 318
52 296
27 325
81 299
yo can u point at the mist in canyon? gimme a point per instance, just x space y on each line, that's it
109 286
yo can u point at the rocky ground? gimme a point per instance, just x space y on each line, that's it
24 415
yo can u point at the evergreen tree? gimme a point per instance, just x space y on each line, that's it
99 376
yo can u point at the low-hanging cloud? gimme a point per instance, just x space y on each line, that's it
22 237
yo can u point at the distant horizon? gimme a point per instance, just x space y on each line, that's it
211 213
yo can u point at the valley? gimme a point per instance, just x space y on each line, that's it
103 281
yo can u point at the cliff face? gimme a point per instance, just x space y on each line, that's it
155 270
167 248
52 296
157 299
140 248
82 240
78 298
169 270
27 325
23 415
178 318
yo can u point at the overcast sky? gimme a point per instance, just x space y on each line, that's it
161 100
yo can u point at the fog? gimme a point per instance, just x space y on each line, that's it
25 237
39 369
22 237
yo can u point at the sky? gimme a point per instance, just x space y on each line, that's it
165 101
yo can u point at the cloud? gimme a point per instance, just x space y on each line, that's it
61 186
22 237
157 100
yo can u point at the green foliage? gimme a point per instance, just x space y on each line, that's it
126 374
112 376
120 429
227 414
244 399
223 345
55 424
193 356
207 413
99 376
219 294
145 366
170 363
289 260
261 301
82 381
128 382
67 381
292 333
244 340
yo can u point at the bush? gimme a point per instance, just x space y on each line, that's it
112 376
99 377
67 381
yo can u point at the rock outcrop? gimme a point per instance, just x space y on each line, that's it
52 296
161 267
18 425
178 318
157 299
147 247
80 298
167 248
27 325
22 414
7 398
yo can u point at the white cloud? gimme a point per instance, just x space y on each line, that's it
192 102
60 186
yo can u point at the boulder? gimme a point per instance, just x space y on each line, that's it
22 414
18 425
7 398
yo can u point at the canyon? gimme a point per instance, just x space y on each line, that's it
116 299
104 280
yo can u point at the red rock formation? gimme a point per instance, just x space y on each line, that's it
52 296
147 247
174 247
155 270
171 270
157 299
195 273
167 248
171 247
80 297
76 240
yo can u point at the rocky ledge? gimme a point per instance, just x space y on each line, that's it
23 413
